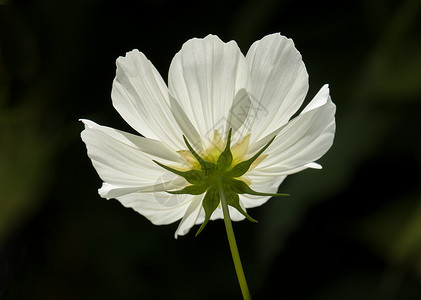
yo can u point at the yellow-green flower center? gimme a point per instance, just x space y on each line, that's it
214 150
219 163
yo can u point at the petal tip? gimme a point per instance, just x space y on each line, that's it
134 54
88 123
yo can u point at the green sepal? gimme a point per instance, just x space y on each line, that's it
196 189
234 200
240 187
192 176
241 168
210 203
225 158
207 167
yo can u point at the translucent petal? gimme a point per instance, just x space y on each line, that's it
109 191
190 217
239 112
204 77
148 205
304 139
150 146
261 182
218 214
141 97
278 83
185 124
119 159
234 214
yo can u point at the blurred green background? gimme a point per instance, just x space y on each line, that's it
349 231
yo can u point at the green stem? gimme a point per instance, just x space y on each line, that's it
233 245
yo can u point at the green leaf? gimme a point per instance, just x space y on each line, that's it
210 203
241 168
192 176
207 167
240 187
234 200
191 189
225 159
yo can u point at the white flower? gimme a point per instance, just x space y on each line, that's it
212 88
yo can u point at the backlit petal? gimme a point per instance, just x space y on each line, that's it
204 77
238 114
141 97
121 159
109 191
186 125
149 206
278 83
304 139
190 217
153 147
234 214
261 182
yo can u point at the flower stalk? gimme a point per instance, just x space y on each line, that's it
233 244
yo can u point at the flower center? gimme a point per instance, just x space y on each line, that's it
214 150
219 163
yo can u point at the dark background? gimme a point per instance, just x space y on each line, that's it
349 231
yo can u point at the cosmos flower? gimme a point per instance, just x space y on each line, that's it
223 117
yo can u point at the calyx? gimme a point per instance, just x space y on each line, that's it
204 179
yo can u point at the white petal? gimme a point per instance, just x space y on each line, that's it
304 139
150 146
313 165
218 214
148 205
190 217
320 99
239 113
109 191
261 182
141 97
234 214
119 159
278 82
204 77
185 124
286 171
